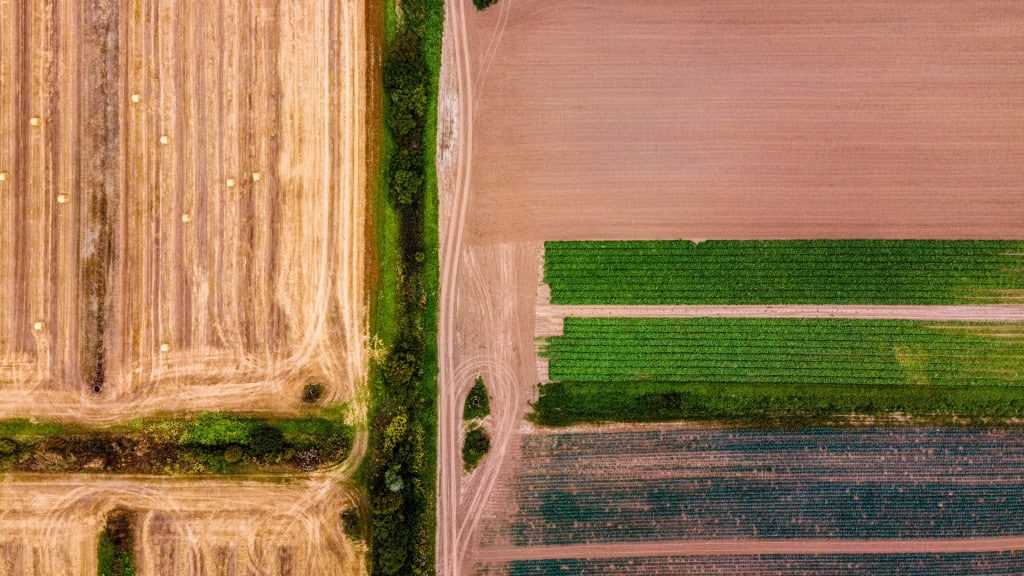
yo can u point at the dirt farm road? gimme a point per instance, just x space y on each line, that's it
551 318
449 459
753 546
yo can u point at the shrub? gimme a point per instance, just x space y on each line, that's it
478 403
475 447
233 454
312 393
8 447
266 441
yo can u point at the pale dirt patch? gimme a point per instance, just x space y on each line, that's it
551 317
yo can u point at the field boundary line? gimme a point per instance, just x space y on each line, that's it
752 546
551 317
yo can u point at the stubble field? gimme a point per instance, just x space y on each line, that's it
182 215
182 205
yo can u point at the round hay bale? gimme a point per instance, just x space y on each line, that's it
35 121
186 218
165 347
256 176
62 198
3 176
231 182
165 140
136 98
38 325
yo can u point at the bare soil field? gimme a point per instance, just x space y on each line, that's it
589 119
183 204
746 120
50 525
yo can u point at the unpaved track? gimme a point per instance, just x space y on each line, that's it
670 120
739 547
551 317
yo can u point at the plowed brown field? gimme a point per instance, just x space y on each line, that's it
738 119
592 119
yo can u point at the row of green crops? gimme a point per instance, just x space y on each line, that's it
785 272
757 370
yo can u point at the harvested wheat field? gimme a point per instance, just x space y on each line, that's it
182 224
737 119
49 525
591 119
182 205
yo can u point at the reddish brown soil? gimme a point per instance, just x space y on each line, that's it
738 119
592 119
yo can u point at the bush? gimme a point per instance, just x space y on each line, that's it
312 393
351 524
233 454
266 441
484 4
475 447
478 403
8 447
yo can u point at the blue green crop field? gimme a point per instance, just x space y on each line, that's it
731 369
785 272
957 564
720 483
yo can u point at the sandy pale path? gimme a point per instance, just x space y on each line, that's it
751 546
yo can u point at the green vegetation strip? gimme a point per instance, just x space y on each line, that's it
763 370
116 549
401 468
207 444
785 272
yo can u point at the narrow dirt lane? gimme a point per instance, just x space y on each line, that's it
449 462
750 546
551 317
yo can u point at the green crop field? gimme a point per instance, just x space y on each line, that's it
742 369
785 272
